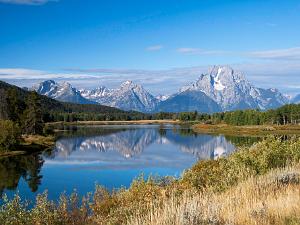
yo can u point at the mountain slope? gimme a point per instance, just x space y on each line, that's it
231 90
296 99
129 96
271 98
49 104
187 101
60 91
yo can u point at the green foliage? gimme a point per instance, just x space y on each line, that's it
15 105
9 135
33 116
288 114
188 116
222 173
12 169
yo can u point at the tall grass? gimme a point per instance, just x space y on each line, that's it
256 185
270 199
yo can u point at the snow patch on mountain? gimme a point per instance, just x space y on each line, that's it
60 91
220 89
161 97
129 96
232 91
218 84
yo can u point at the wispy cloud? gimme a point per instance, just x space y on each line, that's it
287 54
154 48
283 75
281 54
28 74
198 51
188 50
27 2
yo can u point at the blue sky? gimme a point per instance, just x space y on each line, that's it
162 44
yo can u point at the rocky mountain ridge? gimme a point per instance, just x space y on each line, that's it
220 89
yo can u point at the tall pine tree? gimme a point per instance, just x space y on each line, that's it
33 116
16 105
4 114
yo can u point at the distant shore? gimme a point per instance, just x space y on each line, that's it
131 122
249 130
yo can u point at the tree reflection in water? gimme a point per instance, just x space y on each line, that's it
12 169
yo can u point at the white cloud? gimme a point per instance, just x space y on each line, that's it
154 48
287 54
28 74
284 76
188 50
198 51
282 54
27 2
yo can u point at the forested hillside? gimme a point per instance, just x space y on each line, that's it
287 114
13 104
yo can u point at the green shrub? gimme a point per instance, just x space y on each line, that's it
220 174
9 134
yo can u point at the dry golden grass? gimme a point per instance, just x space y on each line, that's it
38 140
270 199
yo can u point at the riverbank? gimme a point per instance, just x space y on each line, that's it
256 185
260 130
30 144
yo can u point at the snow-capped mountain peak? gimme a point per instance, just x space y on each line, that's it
95 94
220 89
129 96
60 91
161 97
127 84
231 90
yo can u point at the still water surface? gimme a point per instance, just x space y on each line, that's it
111 156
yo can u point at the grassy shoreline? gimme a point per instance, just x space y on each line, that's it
31 144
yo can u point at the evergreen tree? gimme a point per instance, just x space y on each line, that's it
33 116
15 105
4 114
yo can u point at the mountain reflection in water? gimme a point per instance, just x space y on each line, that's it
131 143
111 156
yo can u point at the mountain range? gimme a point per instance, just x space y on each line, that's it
49 105
220 89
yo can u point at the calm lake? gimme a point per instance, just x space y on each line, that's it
111 156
